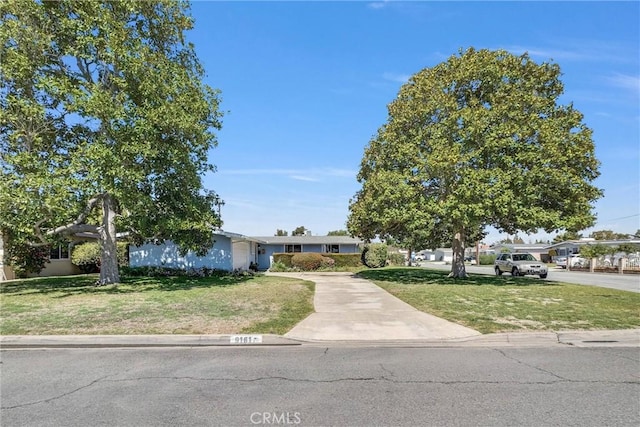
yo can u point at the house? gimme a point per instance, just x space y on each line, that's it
59 261
573 246
540 251
230 251
270 245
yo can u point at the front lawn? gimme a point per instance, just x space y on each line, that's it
154 305
496 304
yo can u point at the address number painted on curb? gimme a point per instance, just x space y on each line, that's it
246 339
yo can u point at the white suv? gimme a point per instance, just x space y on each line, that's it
519 264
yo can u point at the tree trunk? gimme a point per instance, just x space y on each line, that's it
457 264
409 264
109 273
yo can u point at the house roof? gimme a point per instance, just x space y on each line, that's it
521 246
237 236
309 240
595 242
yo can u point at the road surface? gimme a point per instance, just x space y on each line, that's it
312 385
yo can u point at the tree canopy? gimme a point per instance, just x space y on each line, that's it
338 233
106 125
478 140
299 231
608 235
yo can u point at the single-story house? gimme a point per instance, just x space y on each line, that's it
59 260
573 246
270 245
538 250
230 251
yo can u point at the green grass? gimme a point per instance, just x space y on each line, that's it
497 304
144 305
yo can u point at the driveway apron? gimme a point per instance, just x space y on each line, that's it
348 308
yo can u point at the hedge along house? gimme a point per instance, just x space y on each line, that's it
230 251
270 245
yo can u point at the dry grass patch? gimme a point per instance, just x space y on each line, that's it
143 305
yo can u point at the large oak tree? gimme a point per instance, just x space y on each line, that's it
106 125
479 140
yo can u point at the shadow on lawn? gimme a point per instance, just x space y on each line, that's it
415 276
86 284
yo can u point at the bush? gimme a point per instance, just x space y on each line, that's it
307 261
25 259
375 255
487 259
87 256
284 259
397 259
149 271
278 266
327 262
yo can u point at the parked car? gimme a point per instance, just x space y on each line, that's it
575 261
519 264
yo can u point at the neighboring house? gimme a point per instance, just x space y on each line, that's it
230 251
444 254
270 245
573 246
540 251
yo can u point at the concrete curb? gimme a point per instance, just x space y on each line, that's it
614 338
116 341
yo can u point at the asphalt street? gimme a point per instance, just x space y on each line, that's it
625 282
313 385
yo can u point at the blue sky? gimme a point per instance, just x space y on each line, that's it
306 85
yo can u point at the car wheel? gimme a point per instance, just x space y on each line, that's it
543 276
498 271
515 272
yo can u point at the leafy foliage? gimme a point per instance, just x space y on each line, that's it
299 231
568 235
478 140
87 255
105 124
25 259
307 261
375 255
628 248
338 233
281 233
607 235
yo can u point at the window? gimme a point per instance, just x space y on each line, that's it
59 252
292 248
332 249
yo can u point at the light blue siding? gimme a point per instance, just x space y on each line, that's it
167 255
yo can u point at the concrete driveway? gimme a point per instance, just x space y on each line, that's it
354 309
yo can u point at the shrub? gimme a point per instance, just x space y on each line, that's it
375 255
307 261
150 271
87 255
397 259
327 262
25 259
284 258
487 259
278 266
